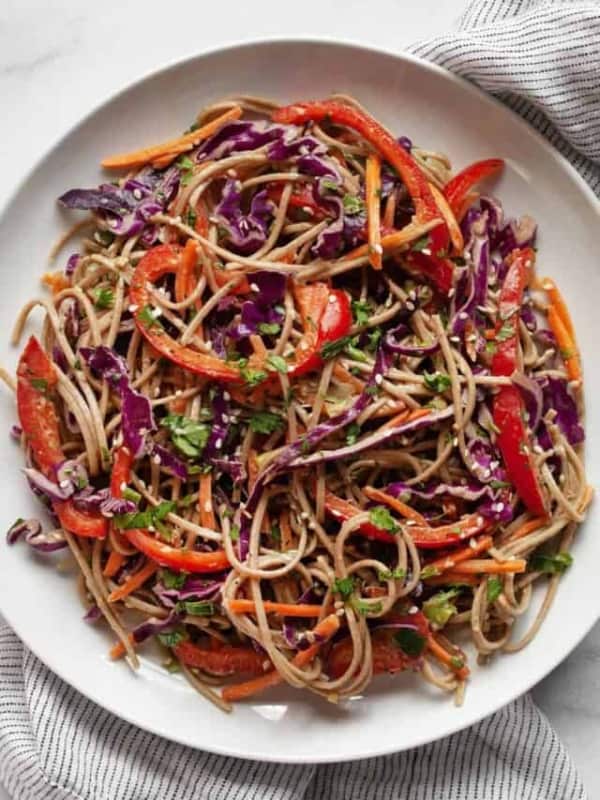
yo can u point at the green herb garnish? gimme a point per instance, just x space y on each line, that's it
392 574
438 609
421 244
278 363
410 642
551 564
332 349
352 204
103 298
437 381
234 533
344 586
198 608
172 638
381 518
173 580
494 588
364 607
352 433
40 384
188 435
265 422
269 328
147 318
361 310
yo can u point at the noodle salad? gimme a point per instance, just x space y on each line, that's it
300 408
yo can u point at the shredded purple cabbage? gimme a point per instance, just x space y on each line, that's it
245 232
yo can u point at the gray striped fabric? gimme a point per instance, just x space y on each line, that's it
541 59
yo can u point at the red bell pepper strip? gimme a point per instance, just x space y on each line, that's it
424 537
225 660
440 271
301 198
36 378
513 438
388 655
163 260
174 557
326 316
415 181
458 187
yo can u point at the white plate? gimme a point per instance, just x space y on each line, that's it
440 112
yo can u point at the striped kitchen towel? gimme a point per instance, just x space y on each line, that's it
539 57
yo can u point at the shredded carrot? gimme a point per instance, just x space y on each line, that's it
448 578
390 211
56 281
456 236
118 649
205 505
446 658
163 154
558 301
134 582
324 630
566 343
342 374
283 609
489 566
528 527
490 334
373 198
397 420
113 564
253 468
184 279
381 497
393 241
464 554
258 346
286 530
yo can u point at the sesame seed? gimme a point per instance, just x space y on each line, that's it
379 379
463 315
455 339
304 515
156 459
410 306
226 396
254 287
452 292
331 298
123 486
378 248
208 506
413 610
426 251
133 308
219 444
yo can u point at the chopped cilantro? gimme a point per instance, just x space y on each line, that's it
352 433
457 662
334 348
361 311
275 532
344 586
410 641
105 238
190 218
352 204
147 318
392 574
551 564
269 328
188 436
490 348
500 484
494 588
172 638
421 244
193 127
132 495
364 607
329 184
265 422
186 166
429 572
278 363
234 533
438 609
198 608
505 332
173 580
150 517
381 518
103 298
252 377
437 381
373 338
40 384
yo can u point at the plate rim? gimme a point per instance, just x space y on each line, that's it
347 44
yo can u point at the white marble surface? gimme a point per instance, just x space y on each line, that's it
60 58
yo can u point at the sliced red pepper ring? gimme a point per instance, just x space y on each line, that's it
513 437
226 660
458 187
36 377
326 316
391 151
164 260
174 557
440 271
